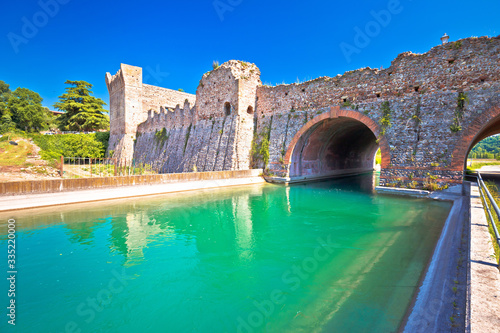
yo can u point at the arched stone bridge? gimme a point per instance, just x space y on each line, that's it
425 112
342 141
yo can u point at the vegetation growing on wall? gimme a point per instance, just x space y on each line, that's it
264 150
456 45
385 121
462 101
416 117
161 136
188 133
431 183
347 104
259 152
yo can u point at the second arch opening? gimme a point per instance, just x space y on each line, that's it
334 147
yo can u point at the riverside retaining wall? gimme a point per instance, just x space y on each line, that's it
63 185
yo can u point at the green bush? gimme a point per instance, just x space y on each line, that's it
103 137
49 155
72 145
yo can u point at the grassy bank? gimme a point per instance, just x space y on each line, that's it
481 163
14 155
494 192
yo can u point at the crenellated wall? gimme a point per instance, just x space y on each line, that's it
153 98
130 101
424 112
467 64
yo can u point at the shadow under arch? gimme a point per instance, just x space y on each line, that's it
484 125
338 142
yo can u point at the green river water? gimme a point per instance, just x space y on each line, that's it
321 257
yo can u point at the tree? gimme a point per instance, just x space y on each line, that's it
6 123
83 112
51 119
488 148
26 109
4 90
5 94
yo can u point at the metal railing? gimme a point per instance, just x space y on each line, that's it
484 189
86 167
66 132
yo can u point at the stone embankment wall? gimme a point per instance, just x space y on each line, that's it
425 112
66 185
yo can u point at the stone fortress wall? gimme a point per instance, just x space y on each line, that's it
308 125
130 101
178 132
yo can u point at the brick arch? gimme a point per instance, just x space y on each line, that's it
336 112
484 125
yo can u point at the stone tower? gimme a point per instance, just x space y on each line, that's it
125 97
230 92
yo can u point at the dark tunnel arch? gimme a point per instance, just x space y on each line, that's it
339 142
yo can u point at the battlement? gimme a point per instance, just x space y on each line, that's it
470 64
126 75
153 98
115 82
168 117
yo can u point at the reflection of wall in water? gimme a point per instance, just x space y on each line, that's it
141 228
243 222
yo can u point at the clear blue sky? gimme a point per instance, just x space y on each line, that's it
287 40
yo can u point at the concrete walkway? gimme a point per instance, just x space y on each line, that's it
15 202
484 276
